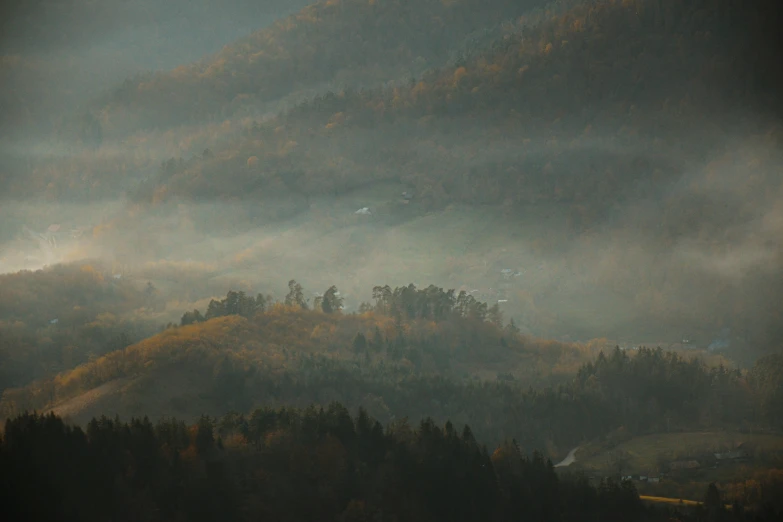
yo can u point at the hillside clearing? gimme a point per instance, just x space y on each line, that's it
646 453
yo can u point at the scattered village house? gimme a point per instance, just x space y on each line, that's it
739 452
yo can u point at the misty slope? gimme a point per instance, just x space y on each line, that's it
671 63
639 119
651 87
654 197
57 56
56 319
41 25
350 42
285 340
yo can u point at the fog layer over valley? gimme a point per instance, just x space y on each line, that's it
686 258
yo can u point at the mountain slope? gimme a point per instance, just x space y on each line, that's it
289 357
55 57
642 121
647 89
55 319
283 340
633 151
350 42
643 74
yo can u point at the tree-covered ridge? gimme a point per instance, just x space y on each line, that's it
301 465
354 42
621 71
630 73
257 339
401 303
411 355
305 464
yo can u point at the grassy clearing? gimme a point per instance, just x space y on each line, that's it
679 502
643 454
669 501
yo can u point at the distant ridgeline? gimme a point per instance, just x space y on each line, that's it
299 465
559 79
578 70
345 42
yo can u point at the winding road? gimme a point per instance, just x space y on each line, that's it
570 459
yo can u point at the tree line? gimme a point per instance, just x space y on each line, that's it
287 464
302 465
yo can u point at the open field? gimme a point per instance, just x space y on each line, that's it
675 502
646 453
670 501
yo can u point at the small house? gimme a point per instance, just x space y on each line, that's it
732 455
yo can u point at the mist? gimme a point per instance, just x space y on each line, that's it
55 59
687 256
694 259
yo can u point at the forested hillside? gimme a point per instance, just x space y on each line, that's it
349 42
614 86
57 56
411 333
312 464
649 87
300 465
596 78
414 353
56 319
